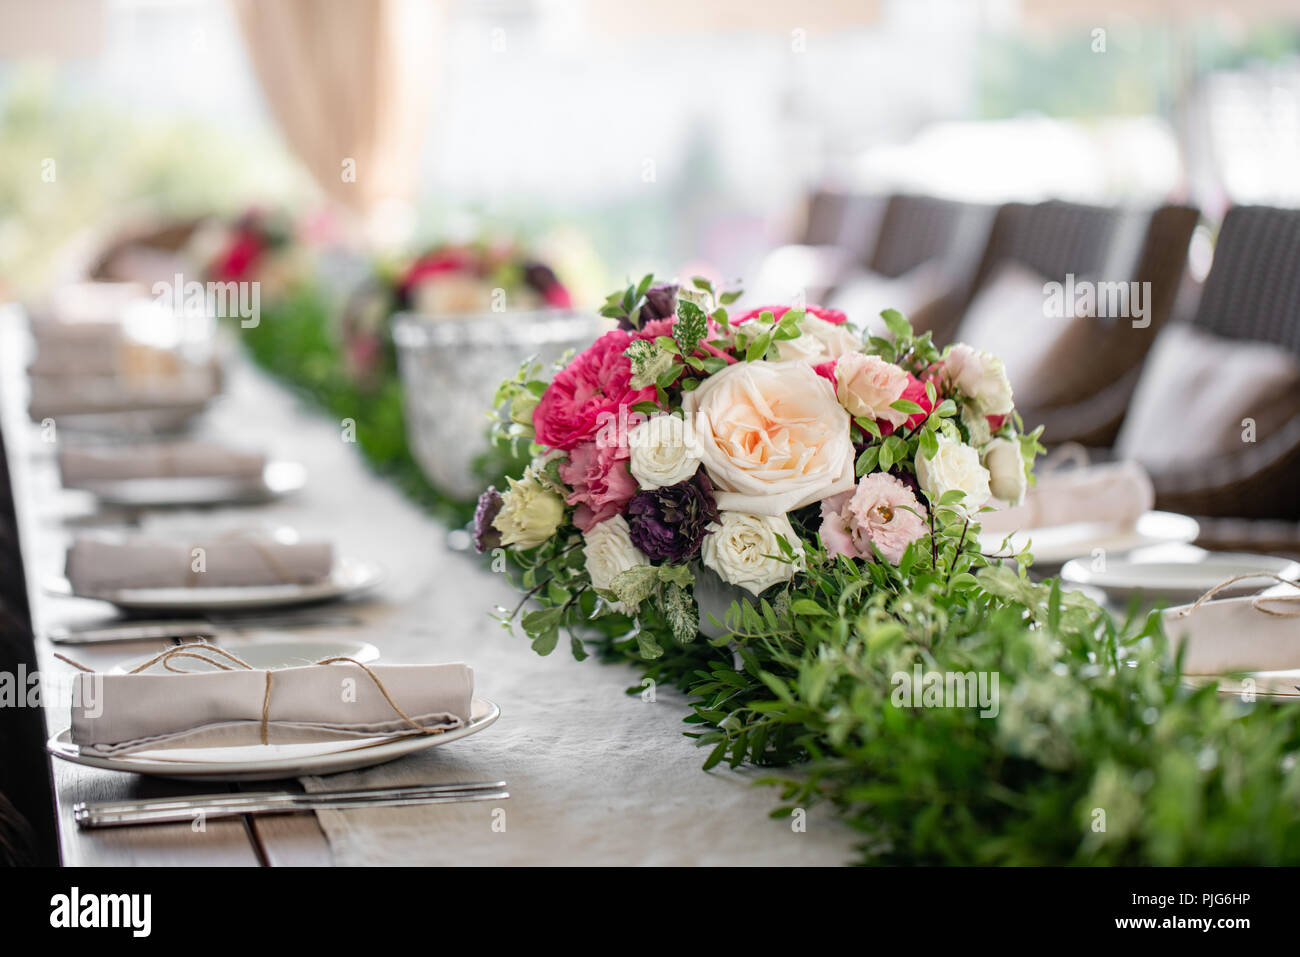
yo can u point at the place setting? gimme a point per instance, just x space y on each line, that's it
180 474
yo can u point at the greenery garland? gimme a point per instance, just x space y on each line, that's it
1099 754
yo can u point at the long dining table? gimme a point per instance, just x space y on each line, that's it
596 775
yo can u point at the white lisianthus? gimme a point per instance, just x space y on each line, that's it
530 512
981 377
738 546
772 435
609 552
664 451
1006 468
818 341
955 466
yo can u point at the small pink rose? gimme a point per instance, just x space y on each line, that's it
881 511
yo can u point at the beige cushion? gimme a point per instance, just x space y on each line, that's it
1195 391
1050 361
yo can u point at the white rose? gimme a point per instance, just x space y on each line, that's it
737 545
981 377
1006 470
818 341
954 467
609 552
772 435
664 451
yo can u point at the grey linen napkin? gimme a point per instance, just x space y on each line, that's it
81 464
1116 493
97 565
117 714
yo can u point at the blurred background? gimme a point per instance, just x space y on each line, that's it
631 137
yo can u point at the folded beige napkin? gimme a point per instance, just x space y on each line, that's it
116 714
81 464
97 565
1254 633
54 395
1115 493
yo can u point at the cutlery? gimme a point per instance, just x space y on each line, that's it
215 806
173 628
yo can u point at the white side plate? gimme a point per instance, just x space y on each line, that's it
269 762
1180 582
277 479
349 577
1060 543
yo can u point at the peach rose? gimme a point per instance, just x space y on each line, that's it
772 437
868 385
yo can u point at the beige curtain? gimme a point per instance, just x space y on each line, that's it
350 83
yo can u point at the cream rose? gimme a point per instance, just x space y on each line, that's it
609 552
981 377
818 341
954 467
1006 468
738 545
772 437
530 513
664 451
868 385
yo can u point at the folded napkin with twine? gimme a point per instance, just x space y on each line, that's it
1253 633
336 699
81 464
96 565
1115 493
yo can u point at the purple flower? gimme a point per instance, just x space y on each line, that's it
486 537
660 303
668 524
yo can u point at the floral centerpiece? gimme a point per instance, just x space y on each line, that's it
449 281
691 462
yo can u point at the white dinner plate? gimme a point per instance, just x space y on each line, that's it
264 655
277 479
1267 684
349 577
1179 582
1058 544
269 762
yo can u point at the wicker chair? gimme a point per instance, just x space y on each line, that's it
1252 293
1057 238
919 229
847 220
1120 352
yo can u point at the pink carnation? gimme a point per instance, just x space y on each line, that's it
655 328
601 482
833 316
596 385
881 511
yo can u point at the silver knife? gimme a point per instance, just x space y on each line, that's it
215 806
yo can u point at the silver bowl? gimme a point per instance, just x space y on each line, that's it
450 369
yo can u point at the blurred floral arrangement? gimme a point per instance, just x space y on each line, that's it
779 517
449 281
